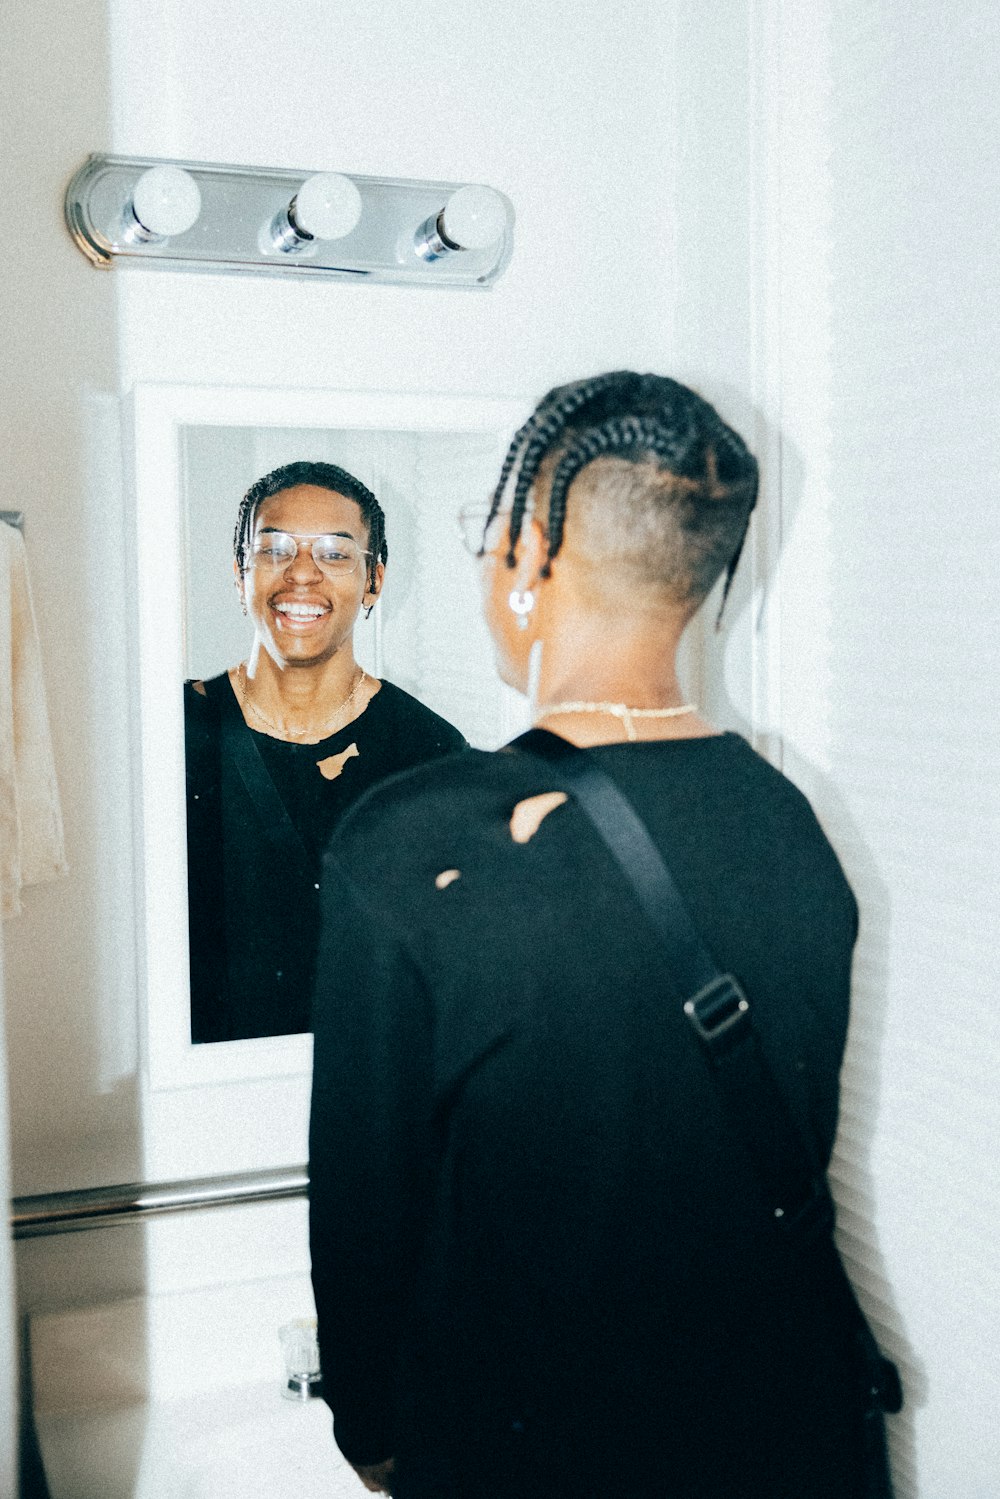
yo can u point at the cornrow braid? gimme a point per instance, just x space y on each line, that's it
535 438
642 419
322 476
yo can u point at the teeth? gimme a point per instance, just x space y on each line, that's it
301 611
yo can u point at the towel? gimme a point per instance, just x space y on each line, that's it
31 832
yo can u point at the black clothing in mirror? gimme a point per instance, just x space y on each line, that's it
259 813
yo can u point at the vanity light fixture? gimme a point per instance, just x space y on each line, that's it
202 216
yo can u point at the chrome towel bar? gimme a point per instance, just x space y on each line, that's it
105 1207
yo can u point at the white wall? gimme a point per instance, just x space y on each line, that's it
559 105
881 316
837 292
562 107
70 956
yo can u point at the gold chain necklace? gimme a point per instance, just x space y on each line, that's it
620 711
283 731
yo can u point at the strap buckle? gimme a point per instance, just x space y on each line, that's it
719 1013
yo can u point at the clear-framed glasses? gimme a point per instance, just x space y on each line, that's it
476 535
276 550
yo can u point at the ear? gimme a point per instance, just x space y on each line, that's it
374 589
531 553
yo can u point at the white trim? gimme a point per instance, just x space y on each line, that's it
171 406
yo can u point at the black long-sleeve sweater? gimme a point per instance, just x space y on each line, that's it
541 1263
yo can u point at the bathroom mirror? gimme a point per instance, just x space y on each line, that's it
196 451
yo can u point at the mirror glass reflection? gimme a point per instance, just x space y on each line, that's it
333 641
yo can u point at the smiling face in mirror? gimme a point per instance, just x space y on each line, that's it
308 573
279 746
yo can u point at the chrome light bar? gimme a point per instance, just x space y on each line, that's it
196 215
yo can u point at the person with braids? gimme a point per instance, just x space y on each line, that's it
541 1262
279 746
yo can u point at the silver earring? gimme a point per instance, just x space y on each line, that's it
534 676
521 602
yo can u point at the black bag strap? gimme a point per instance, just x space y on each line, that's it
793 1183
239 745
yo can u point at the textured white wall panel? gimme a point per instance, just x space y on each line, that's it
889 130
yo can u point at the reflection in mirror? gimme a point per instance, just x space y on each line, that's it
330 665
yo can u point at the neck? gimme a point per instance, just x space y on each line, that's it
301 688
612 661
609 660
297 701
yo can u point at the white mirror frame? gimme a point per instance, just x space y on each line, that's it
159 413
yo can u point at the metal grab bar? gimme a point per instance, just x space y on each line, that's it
105 1207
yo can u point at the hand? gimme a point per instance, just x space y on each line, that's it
376 1476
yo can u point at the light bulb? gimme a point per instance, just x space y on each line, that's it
326 206
473 218
166 201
